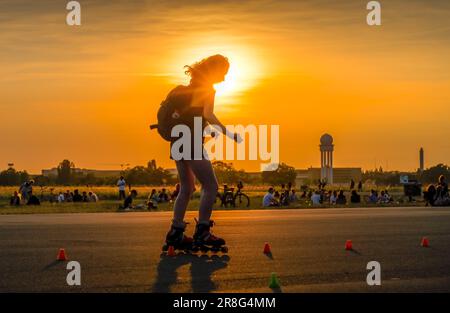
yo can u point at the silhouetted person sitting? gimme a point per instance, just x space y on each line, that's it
269 199
373 198
92 197
384 197
153 199
333 197
32 199
284 198
128 202
355 197
442 187
442 197
430 195
76 196
163 196
85 197
341 199
303 195
315 198
68 196
15 199
293 196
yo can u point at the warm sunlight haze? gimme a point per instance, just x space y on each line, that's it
308 67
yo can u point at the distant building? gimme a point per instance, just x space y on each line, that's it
341 175
84 171
326 158
326 171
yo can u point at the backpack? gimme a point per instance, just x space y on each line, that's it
172 110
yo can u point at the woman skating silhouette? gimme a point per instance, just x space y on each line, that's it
199 96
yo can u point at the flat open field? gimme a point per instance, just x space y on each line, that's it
108 201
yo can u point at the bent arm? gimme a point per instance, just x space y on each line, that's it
211 118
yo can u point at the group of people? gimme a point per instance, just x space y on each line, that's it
383 197
438 195
153 199
320 196
333 197
274 198
25 196
76 196
435 195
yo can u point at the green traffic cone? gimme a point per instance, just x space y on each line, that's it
274 284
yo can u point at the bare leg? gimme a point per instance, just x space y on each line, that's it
187 185
204 172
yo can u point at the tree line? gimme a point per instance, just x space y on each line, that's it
67 175
226 173
427 176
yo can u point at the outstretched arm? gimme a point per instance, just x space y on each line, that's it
211 118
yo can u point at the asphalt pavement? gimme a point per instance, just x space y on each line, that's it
121 252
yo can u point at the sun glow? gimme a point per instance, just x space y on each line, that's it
241 76
244 72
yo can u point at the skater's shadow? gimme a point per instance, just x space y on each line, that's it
202 267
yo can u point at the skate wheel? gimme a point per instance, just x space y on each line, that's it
195 249
224 249
204 250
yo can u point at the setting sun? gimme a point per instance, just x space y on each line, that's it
242 75
245 67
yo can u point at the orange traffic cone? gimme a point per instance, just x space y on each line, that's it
425 243
348 245
61 255
171 251
267 248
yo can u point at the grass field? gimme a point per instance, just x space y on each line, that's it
108 200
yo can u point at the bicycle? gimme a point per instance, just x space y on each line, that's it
229 198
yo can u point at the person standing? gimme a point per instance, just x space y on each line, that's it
26 189
122 185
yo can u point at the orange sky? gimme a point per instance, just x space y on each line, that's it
88 93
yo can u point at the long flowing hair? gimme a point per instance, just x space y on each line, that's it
207 69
